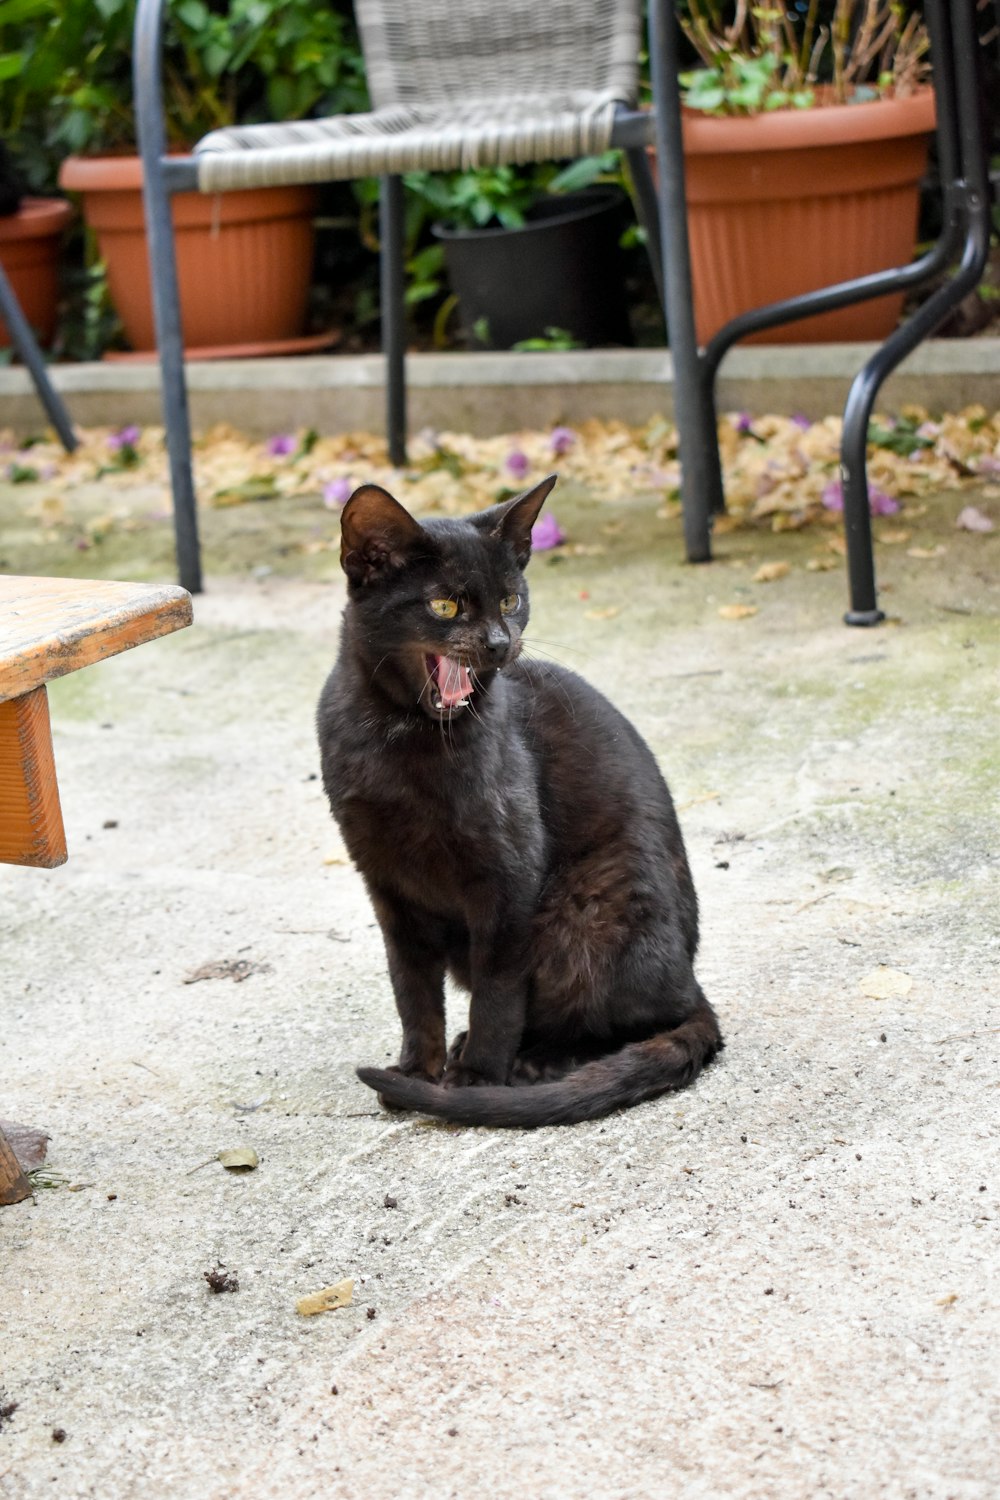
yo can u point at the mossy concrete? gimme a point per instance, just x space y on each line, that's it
778 1284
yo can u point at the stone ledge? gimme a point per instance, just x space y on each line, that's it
484 393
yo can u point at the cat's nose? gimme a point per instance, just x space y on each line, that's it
496 642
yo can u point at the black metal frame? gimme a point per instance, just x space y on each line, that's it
662 211
25 343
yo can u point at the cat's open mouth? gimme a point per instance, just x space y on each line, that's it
450 685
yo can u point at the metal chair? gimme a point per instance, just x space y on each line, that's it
454 83
484 82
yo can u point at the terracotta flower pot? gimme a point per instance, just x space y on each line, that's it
788 202
244 259
29 251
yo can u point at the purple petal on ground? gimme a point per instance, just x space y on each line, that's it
741 421
280 445
988 464
879 503
517 464
562 439
801 421
973 519
547 533
337 492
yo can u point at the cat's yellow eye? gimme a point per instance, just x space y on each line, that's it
445 609
508 605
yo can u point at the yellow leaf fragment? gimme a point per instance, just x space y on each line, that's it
240 1159
603 614
883 983
893 536
328 1300
771 572
821 564
926 552
947 1300
737 611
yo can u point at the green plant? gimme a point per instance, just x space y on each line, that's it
767 58
478 198
554 339
66 79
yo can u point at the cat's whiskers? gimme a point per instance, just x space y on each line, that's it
540 641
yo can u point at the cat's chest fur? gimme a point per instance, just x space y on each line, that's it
435 823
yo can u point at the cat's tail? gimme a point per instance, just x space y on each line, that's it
641 1070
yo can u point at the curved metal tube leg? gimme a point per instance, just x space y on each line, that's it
701 473
393 315
166 296
26 345
969 200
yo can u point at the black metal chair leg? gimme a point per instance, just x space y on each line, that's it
166 296
701 472
393 315
26 345
968 200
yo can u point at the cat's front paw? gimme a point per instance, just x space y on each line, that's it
458 1076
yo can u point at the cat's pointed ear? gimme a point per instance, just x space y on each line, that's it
377 535
512 521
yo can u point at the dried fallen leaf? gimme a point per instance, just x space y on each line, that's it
947 1300
837 544
771 572
27 1143
236 969
883 983
893 537
240 1159
926 552
330 1298
737 611
821 564
603 614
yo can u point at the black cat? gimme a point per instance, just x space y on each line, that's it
512 829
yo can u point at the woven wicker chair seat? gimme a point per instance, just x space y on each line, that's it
406 138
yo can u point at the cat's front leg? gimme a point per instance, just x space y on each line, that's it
416 968
496 1009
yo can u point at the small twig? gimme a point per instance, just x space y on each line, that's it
966 1036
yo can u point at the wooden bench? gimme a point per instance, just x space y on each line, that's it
48 627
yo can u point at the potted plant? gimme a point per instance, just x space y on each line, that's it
528 261
804 147
31 231
244 258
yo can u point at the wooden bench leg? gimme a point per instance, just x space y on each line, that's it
13 1184
31 826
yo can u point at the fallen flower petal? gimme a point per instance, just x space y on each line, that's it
973 519
337 492
562 439
281 444
547 533
517 464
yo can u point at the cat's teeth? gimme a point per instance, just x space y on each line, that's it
438 704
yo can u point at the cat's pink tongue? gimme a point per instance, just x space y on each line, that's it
454 684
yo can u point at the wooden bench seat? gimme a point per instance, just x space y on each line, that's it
48 627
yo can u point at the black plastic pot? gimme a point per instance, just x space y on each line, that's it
562 269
